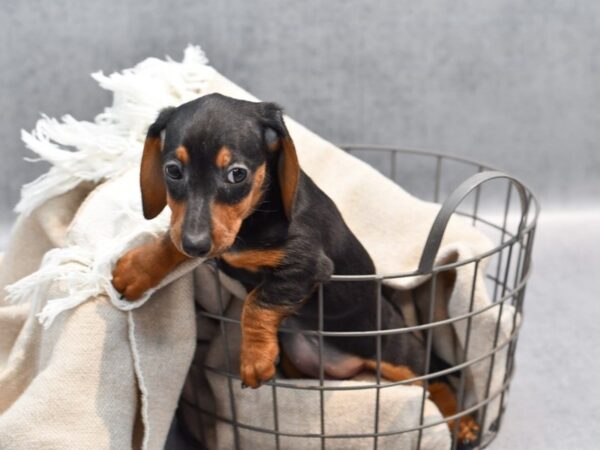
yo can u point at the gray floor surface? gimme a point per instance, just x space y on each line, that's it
554 402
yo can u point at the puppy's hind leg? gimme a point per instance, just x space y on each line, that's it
392 372
442 395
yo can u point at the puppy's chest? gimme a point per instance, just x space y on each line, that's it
249 265
254 260
253 254
259 247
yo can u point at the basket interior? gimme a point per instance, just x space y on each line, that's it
494 208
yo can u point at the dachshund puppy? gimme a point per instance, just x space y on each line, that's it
229 172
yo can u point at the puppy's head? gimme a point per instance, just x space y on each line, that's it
207 160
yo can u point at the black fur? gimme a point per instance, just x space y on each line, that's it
316 240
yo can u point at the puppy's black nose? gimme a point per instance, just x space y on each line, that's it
196 244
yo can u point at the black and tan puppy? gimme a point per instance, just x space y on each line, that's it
229 172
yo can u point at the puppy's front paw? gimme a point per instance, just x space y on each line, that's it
257 363
132 276
468 431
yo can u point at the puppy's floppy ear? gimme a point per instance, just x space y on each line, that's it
152 183
278 139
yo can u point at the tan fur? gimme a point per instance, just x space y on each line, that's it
253 260
442 395
289 174
223 157
227 219
391 372
177 216
182 154
151 179
439 393
144 267
259 348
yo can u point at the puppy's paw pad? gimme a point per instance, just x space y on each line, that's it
468 431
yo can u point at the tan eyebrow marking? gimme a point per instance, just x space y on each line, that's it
223 157
182 154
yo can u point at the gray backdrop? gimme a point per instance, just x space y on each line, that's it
513 83
510 82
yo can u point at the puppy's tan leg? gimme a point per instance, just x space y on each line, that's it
442 395
143 268
259 340
393 373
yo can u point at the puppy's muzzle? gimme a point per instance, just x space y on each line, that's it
196 238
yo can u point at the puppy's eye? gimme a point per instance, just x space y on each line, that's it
172 170
236 175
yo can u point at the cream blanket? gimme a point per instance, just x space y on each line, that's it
79 368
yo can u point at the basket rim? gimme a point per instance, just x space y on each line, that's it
532 216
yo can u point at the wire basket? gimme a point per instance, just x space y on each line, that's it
481 189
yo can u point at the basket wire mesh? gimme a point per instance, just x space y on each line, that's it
508 268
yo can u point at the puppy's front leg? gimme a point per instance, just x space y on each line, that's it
143 268
260 347
283 292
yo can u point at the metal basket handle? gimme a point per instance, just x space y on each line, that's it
438 228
